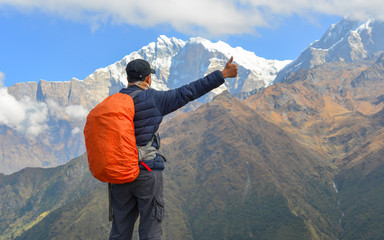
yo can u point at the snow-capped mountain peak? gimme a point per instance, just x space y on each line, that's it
179 62
347 41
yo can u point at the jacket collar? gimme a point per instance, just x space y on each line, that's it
130 89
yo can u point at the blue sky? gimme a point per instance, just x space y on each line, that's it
57 40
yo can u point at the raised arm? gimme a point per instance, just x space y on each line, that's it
169 101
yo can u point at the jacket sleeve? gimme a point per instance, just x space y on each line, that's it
169 101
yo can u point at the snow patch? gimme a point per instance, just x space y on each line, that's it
334 186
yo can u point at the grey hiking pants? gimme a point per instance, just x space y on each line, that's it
144 196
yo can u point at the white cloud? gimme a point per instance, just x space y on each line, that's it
25 116
30 118
69 113
12 113
2 77
76 112
213 17
75 131
35 118
55 110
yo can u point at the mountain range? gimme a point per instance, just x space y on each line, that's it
300 158
48 130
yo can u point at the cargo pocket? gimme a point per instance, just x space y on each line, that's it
159 209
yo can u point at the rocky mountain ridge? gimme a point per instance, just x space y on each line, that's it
336 110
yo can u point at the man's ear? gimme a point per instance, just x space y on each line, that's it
148 79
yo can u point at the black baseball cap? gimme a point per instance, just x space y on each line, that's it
138 70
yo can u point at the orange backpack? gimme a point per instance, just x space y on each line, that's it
110 140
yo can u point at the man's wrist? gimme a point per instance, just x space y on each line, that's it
225 75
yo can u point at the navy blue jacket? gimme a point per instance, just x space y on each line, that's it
152 105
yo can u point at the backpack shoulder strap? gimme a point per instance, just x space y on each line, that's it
134 93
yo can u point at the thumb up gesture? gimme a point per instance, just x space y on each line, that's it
230 69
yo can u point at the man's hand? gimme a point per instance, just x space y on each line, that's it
230 69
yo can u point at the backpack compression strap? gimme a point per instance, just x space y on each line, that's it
142 150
